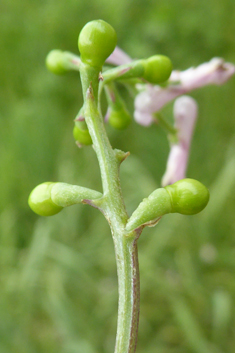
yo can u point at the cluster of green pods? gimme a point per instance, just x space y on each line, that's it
96 42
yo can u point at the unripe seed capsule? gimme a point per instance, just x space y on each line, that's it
118 115
40 200
97 40
157 69
82 136
119 119
55 62
186 196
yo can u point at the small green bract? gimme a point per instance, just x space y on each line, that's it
97 40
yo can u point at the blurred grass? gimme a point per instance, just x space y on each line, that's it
58 275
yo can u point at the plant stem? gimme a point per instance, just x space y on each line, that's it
129 293
113 207
164 123
135 69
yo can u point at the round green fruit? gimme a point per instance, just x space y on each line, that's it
188 196
157 69
40 200
82 136
119 119
97 40
55 62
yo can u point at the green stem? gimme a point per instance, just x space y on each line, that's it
71 61
112 205
129 293
134 69
165 125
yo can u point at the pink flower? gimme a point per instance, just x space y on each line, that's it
153 98
185 114
216 71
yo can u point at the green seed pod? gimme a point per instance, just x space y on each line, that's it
119 119
40 200
157 69
186 196
118 115
55 62
50 198
59 62
82 136
150 209
97 40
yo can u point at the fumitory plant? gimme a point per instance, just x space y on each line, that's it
153 84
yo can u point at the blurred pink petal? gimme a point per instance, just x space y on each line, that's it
176 165
143 118
216 71
118 57
107 115
185 114
152 100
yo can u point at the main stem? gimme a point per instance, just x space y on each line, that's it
112 205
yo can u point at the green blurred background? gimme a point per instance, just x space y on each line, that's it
58 285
